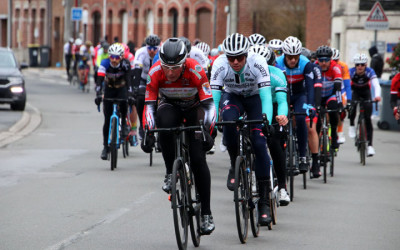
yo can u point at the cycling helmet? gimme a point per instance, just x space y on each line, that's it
335 54
173 52
291 46
360 58
272 59
220 48
236 44
71 40
214 52
78 41
257 39
187 43
275 44
204 47
266 52
306 52
116 49
324 51
152 40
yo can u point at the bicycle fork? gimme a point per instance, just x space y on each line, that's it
114 115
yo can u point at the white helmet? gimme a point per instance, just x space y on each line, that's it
292 46
360 58
236 44
261 50
275 44
335 54
78 41
116 49
204 47
257 39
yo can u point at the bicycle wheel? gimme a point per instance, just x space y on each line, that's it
195 209
179 205
362 142
332 161
151 158
124 148
272 197
241 195
291 166
255 226
113 145
127 147
325 151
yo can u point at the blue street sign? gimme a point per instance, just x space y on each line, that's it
76 14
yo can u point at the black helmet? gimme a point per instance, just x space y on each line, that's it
324 51
306 52
187 43
272 58
173 52
106 46
153 40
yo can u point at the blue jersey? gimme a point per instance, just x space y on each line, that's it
300 78
363 81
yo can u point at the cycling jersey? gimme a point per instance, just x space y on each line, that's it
329 77
395 90
299 78
279 89
190 90
253 79
114 77
143 61
199 56
363 82
346 87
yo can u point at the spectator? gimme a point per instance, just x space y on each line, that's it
68 55
376 61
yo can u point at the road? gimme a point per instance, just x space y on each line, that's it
56 193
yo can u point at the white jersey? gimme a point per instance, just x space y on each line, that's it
143 61
198 55
254 76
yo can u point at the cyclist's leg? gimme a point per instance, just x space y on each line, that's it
168 116
333 120
231 110
301 130
367 114
140 106
355 97
341 137
107 111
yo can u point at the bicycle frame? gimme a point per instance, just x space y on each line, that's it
116 116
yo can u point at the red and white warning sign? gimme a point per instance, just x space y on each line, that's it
377 19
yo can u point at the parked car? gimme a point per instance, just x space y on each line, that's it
12 82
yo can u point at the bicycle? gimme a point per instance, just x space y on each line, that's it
292 153
114 134
185 199
326 151
361 140
246 195
83 76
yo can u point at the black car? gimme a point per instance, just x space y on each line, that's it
12 83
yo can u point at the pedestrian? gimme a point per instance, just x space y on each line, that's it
376 61
68 55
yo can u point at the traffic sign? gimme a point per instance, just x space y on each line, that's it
76 14
377 19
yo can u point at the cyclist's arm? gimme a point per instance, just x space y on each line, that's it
377 87
217 83
209 114
309 82
101 73
150 102
136 75
279 83
317 85
266 101
217 98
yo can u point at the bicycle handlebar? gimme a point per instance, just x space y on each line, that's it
242 122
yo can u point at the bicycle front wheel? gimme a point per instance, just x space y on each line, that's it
179 204
241 196
362 142
255 226
325 151
113 145
195 209
291 151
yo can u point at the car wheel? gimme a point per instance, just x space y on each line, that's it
19 106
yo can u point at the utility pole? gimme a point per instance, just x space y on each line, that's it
67 23
233 11
215 24
104 17
9 21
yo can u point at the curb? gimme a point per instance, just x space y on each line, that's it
29 121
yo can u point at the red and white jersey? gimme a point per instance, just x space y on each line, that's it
188 91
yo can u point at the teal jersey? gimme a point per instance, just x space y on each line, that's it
279 89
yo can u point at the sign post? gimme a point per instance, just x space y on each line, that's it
377 20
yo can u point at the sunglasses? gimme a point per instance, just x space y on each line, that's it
239 58
115 57
278 52
360 64
153 48
291 57
324 59
175 67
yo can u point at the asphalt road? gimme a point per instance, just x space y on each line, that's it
56 193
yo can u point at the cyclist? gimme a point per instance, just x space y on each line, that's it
196 53
299 73
279 100
185 94
246 82
395 95
115 73
143 62
312 132
346 92
257 39
331 88
361 79
276 46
